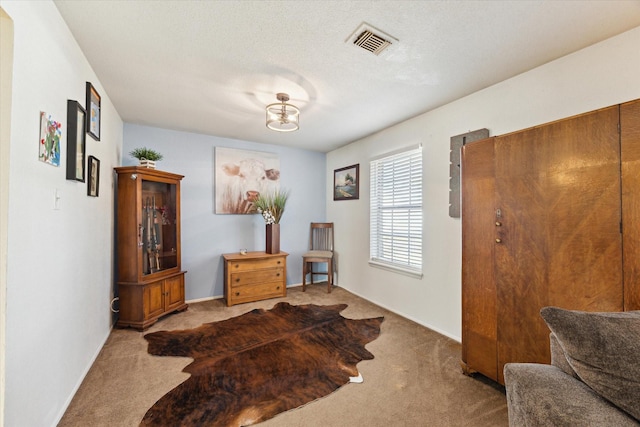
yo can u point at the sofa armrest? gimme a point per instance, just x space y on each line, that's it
559 358
544 395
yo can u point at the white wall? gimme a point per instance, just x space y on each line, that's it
59 279
605 74
6 77
205 235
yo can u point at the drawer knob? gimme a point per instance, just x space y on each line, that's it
237 294
278 275
278 287
498 240
279 262
237 265
237 280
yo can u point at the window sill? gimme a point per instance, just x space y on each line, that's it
396 269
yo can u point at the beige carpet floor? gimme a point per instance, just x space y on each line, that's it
414 380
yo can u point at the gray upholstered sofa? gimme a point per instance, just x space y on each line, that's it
593 379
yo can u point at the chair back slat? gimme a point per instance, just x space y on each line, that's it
321 236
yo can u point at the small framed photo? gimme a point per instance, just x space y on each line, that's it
346 183
76 140
93 112
94 177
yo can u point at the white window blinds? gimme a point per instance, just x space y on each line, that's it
396 211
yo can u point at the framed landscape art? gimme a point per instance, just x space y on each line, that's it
346 183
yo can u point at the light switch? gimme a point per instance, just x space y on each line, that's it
56 199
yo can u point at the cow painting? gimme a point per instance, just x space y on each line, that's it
241 176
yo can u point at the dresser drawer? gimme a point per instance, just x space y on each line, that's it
256 292
256 264
256 276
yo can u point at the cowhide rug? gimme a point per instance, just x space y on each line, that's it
249 368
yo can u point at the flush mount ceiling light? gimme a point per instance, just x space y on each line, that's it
283 117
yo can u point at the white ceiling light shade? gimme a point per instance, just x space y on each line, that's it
283 117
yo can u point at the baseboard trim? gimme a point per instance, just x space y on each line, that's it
426 325
190 301
67 402
386 307
222 296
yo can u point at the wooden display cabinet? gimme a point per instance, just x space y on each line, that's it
254 276
150 279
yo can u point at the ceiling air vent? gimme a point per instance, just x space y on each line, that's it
371 39
372 42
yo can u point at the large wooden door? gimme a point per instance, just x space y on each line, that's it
479 350
558 241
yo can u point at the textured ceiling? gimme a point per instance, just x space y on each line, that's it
211 67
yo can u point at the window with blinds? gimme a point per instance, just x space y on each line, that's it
396 211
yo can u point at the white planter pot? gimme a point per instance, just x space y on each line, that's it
148 164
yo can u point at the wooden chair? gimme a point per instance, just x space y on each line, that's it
320 251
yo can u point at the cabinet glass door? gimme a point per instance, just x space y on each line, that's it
159 227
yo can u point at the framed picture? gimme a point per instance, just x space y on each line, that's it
93 112
241 176
76 140
94 177
49 143
346 183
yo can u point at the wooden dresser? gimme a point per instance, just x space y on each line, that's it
254 276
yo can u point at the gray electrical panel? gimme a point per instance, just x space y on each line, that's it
454 167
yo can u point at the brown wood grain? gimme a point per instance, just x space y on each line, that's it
630 141
146 297
254 276
173 288
558 187
568 235
479 319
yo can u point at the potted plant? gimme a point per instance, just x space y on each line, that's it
271 206
146 156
